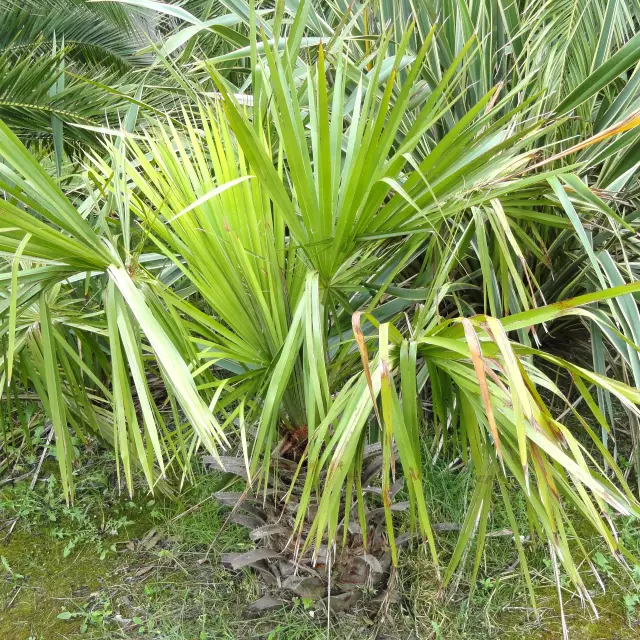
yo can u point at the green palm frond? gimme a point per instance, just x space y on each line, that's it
102 34
35 91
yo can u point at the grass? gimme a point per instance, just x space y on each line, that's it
111 568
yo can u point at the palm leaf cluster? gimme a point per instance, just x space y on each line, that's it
294 229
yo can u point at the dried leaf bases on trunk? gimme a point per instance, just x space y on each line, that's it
359 566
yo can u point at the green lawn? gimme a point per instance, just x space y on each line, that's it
110 568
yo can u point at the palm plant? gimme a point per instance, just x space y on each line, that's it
37 99
571 61
71 69
40 41
296 277
95 33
